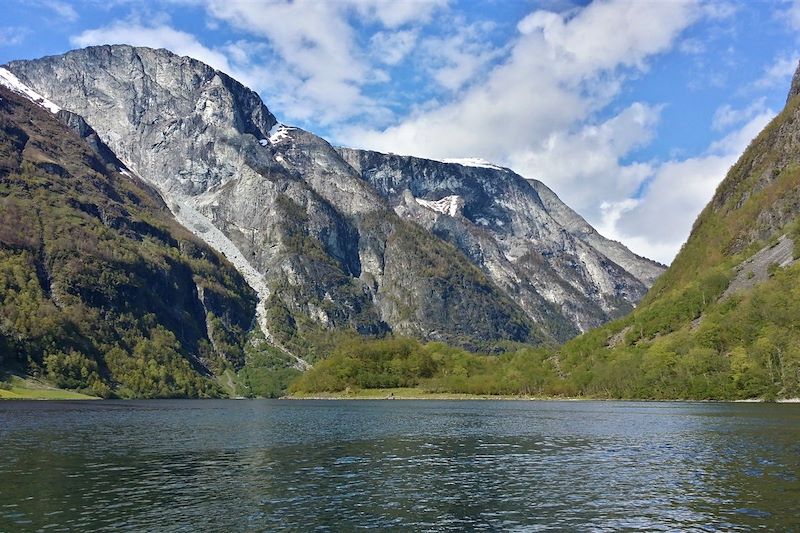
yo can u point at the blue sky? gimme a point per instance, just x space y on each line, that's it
632 111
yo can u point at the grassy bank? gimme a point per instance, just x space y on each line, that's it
31 389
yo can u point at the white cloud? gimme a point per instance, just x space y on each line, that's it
322 67
791 14
391 47
719 10
392 13
777 73
726 116
657 223
453 60
586 165
536 110
61 9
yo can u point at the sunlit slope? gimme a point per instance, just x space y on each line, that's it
724 320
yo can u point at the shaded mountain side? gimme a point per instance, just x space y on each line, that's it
100 288
720 322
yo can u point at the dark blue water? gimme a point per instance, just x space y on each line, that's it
399 465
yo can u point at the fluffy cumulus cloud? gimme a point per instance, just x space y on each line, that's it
540 109
657 223
64 10
585 163
393 14
791 13
726 116
391 47
321 69
454 59
560 70
778 72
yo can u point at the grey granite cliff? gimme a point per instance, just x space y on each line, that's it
540 252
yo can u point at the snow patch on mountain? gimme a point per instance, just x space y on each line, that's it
472 162
9 80
449 205
279 132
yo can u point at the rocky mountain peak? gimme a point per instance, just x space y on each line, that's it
794 90
165 96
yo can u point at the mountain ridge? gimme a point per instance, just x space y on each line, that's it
315 230
720 324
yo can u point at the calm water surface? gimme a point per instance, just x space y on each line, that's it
404 465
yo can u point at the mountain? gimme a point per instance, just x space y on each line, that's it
100 288
338 239
722 322
538 251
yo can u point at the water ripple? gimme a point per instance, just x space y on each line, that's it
434 466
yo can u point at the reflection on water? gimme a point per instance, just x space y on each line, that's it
404 465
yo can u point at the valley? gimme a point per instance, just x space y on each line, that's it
361 270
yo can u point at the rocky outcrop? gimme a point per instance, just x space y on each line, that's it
794 90
331 239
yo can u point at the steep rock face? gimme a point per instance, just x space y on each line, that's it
755 202
541 253
641 268
319 245
100 288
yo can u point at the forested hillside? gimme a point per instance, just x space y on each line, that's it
100 289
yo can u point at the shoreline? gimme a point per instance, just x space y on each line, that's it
33 389
418 394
